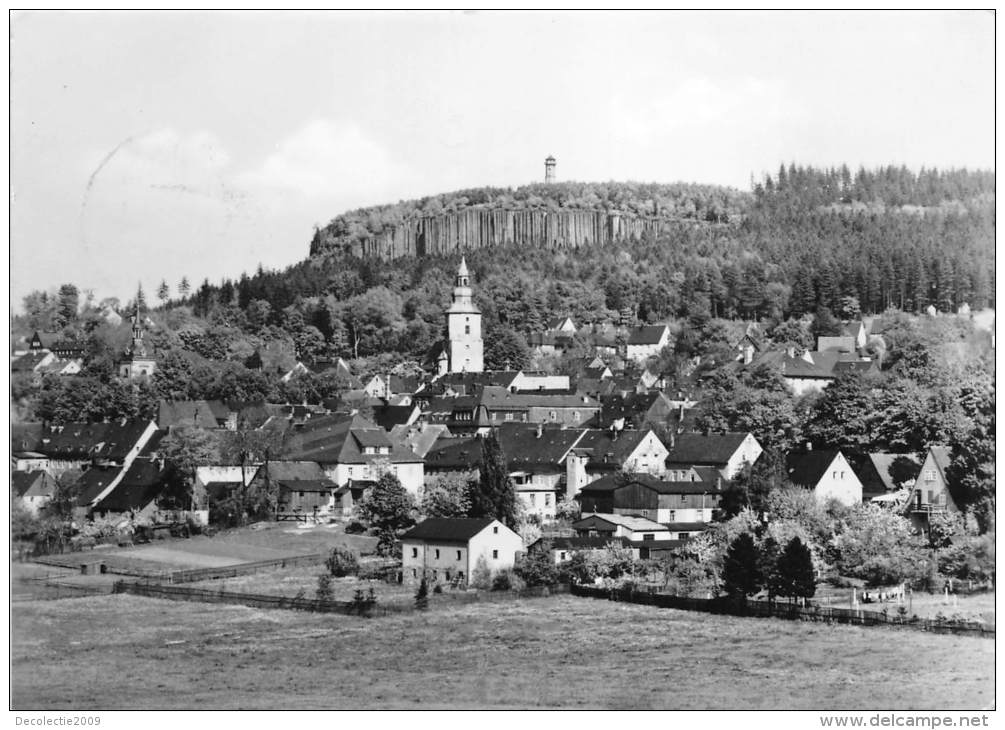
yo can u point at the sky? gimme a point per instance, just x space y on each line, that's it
149 146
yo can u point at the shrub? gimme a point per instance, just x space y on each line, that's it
355 527
422 596
481 576
342 561
537 568
324 590
507 580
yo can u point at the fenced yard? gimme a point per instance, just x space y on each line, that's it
785 610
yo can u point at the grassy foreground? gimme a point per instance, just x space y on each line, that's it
126 652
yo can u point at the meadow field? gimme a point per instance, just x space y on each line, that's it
127 652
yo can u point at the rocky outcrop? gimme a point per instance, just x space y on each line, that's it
477 228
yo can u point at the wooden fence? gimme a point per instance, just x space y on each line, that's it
765 609
231 571
354 608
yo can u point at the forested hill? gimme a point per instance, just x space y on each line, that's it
803 239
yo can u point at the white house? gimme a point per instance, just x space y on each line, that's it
449 550
827 473
603 452
727 452
647 341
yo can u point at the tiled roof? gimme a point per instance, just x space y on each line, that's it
875 474
197 413
287 471
841 344
111 441
455 453
94 481
26 436
340 439
607 448
140 485
613 482
806 469
649 334
28 362
307 485
419 439
36 482
635 524
711 449
447 529
526 444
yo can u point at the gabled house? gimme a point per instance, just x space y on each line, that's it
827 474
449 550
647 341
135 492
604 452
454 455
34 489
635 529
501 405
535 456
685 508
303 487
32 362
883 474
930 494
353 448
633 410
338 367
561 324
727 452
388 386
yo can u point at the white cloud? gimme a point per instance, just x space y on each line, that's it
324 159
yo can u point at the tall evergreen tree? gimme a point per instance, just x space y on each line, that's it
795 576
493 495
741 572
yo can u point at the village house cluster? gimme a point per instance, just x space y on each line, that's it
618 445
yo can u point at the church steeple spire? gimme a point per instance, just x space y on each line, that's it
464 327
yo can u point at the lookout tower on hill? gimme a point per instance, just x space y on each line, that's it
549 169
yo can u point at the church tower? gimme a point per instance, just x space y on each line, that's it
138 364
465 350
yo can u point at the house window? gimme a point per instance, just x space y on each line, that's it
415 573
673 515
495 530
561 556
547 500
645 513
930 475
509 416
458 554
575 416
495 554
448 575
648 536
552 415
842 475
301 495
460 575
835 475
533 499
683 498
415 552
437 554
